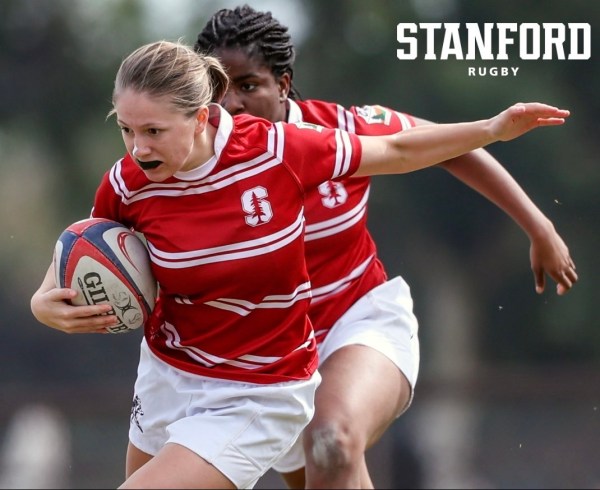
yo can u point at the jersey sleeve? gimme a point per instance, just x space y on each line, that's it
317 154
368 120
373 120
107 203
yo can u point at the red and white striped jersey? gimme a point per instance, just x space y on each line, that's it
226 242
340 252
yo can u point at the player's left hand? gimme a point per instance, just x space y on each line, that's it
550 255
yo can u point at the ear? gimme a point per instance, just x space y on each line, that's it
284 84
201 119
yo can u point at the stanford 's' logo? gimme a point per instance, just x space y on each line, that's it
334 194
256 206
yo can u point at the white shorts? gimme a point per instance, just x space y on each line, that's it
382 319
240 428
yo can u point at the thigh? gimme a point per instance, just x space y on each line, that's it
363 388
135 459
177 467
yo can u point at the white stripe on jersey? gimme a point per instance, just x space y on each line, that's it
322 293
343 153
210 360
343 146
345 119
200 185
404 121
276 140
244 308
215 181
340 223
233 251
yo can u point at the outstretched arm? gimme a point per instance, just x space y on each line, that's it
423 146
548 252
50 306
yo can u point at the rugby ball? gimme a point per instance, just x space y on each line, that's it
105 262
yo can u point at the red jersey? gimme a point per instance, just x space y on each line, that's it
340 252
226 242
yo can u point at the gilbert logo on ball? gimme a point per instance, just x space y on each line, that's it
105 262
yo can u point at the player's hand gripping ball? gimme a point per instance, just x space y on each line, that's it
105 262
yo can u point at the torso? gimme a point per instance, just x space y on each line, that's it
340 252
227 248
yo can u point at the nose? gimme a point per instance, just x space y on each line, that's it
139 148
233 103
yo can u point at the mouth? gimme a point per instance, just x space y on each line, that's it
148 165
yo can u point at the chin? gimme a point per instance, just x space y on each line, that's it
156 175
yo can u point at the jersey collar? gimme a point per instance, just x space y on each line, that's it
222 120
294 112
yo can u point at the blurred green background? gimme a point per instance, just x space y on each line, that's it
508 393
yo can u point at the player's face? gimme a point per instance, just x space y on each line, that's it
253 88
161 139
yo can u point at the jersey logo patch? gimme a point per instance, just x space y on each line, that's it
334 194
307 125
374 114
257 207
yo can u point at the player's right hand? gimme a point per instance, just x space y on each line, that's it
52 308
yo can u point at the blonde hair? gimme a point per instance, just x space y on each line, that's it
172 69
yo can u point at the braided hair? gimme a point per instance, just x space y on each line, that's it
256 33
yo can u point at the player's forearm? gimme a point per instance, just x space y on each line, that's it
422 146
483 173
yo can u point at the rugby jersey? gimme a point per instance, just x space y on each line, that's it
340 252
226 241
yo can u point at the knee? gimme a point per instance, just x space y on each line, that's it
331 447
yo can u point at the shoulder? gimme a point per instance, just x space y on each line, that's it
249 132
368 119
319 112
124 174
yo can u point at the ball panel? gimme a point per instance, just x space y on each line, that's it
97 284
129 254
106 262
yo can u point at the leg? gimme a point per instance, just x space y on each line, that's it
295 479
361 394
135 460
173 467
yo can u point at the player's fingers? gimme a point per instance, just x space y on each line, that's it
540 281
541 109
561 289
61 294
86 329
550 121
94 311
89 325
564 284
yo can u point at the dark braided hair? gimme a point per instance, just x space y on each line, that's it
258 34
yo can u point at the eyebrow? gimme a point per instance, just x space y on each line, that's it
147 125
241 78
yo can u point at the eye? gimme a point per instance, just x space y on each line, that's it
248 86
124 130
153 131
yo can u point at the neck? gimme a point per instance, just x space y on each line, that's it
204 148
